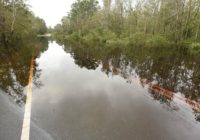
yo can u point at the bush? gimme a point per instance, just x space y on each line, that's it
108 35
194 47
107 38
91 38
117 43
137 39
99 37
158 41
73 37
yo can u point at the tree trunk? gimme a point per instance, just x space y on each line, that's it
197 32
14 16
187 20
145 27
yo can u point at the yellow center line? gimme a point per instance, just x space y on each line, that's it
27 114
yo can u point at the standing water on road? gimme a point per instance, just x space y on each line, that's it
84 93
89 93
100 70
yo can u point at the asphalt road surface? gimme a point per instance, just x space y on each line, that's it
75 103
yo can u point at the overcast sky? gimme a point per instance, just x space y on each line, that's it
51 11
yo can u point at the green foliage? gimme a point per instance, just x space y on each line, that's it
195 47
17 22
137 39
83 9
73 37
148 23
118 43
39 26
158 41
81 12
91 38
108 35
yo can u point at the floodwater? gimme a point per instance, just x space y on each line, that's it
94 93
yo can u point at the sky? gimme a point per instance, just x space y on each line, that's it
51 11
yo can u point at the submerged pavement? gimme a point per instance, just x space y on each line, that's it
80 104
11 119
71 102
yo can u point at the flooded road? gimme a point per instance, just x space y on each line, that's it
83 93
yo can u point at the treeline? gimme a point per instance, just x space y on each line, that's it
136 22
18 22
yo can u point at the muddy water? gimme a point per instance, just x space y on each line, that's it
99 93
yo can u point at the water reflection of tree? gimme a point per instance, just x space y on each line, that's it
170 68
15 65
173 69
84 58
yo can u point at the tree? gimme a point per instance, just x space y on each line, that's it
81 11
107 5
174 20
17 21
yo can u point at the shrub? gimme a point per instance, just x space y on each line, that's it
91 38
194 47
73 37
158 41
117 43
99 37
108 35
137 39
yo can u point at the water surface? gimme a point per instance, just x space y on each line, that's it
90 94
84 93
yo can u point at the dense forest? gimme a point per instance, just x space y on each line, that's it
17 22
132 23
